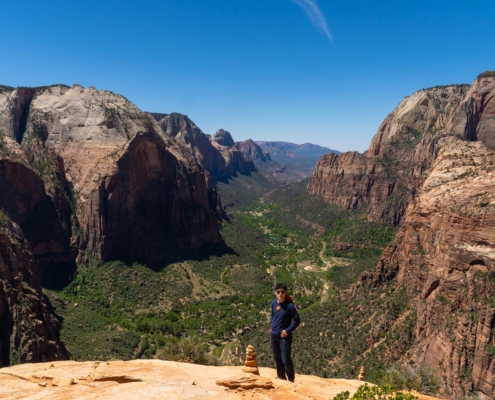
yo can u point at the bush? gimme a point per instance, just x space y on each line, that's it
189 349
419 378
366 392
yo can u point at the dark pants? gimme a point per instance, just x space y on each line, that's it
281 353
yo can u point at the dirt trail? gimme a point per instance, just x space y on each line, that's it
320 254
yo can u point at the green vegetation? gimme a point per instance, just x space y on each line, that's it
367 392
4 88
318 249
487 74
187 350
407 377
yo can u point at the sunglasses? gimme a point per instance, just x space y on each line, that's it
280 291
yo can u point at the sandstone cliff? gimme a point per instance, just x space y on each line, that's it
235 159
475 117
115 181
386 178
28 328
198 145
444 256
44 219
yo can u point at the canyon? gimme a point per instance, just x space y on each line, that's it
430 168
85 176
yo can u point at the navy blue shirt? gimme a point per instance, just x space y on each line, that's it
285 318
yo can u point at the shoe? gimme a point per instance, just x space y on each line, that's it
283 379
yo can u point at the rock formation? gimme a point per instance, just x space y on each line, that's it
126 179
361 375
158 380
250 365
85 172
235 160
28 328
475 117
252 151
47 227
197 144
444 255
386 178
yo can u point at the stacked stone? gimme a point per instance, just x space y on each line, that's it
361 373
250 365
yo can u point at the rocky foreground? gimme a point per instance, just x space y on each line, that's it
155 379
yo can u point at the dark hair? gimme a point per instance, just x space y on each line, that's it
281 286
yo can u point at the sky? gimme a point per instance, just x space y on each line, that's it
318 71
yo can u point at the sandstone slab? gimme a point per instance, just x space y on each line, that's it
154 379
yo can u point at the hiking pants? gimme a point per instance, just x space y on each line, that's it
282 354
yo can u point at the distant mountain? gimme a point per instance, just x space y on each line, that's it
296 157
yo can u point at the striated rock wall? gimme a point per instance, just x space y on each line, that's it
444 256
197 144
137 194
385 178
28 328
151 208
24 198
236 160
431 167
475 117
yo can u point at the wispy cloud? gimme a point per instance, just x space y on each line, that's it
310 7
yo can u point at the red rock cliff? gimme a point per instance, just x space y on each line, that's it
135 193
28 328
385 178
444 256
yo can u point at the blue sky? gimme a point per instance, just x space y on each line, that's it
325 72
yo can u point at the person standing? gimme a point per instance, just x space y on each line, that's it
283 322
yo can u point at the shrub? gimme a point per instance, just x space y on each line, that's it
419 378
189 349
366 392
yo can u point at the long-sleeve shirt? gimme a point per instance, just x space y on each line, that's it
286 318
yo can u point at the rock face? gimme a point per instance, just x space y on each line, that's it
217 154
475 117
386 178
236 161
197 144
430 167
135 193
28 328
24 198
252 151
444 256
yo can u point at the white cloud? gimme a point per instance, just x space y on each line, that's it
315 15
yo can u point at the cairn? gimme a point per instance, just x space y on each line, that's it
250 365
361 373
